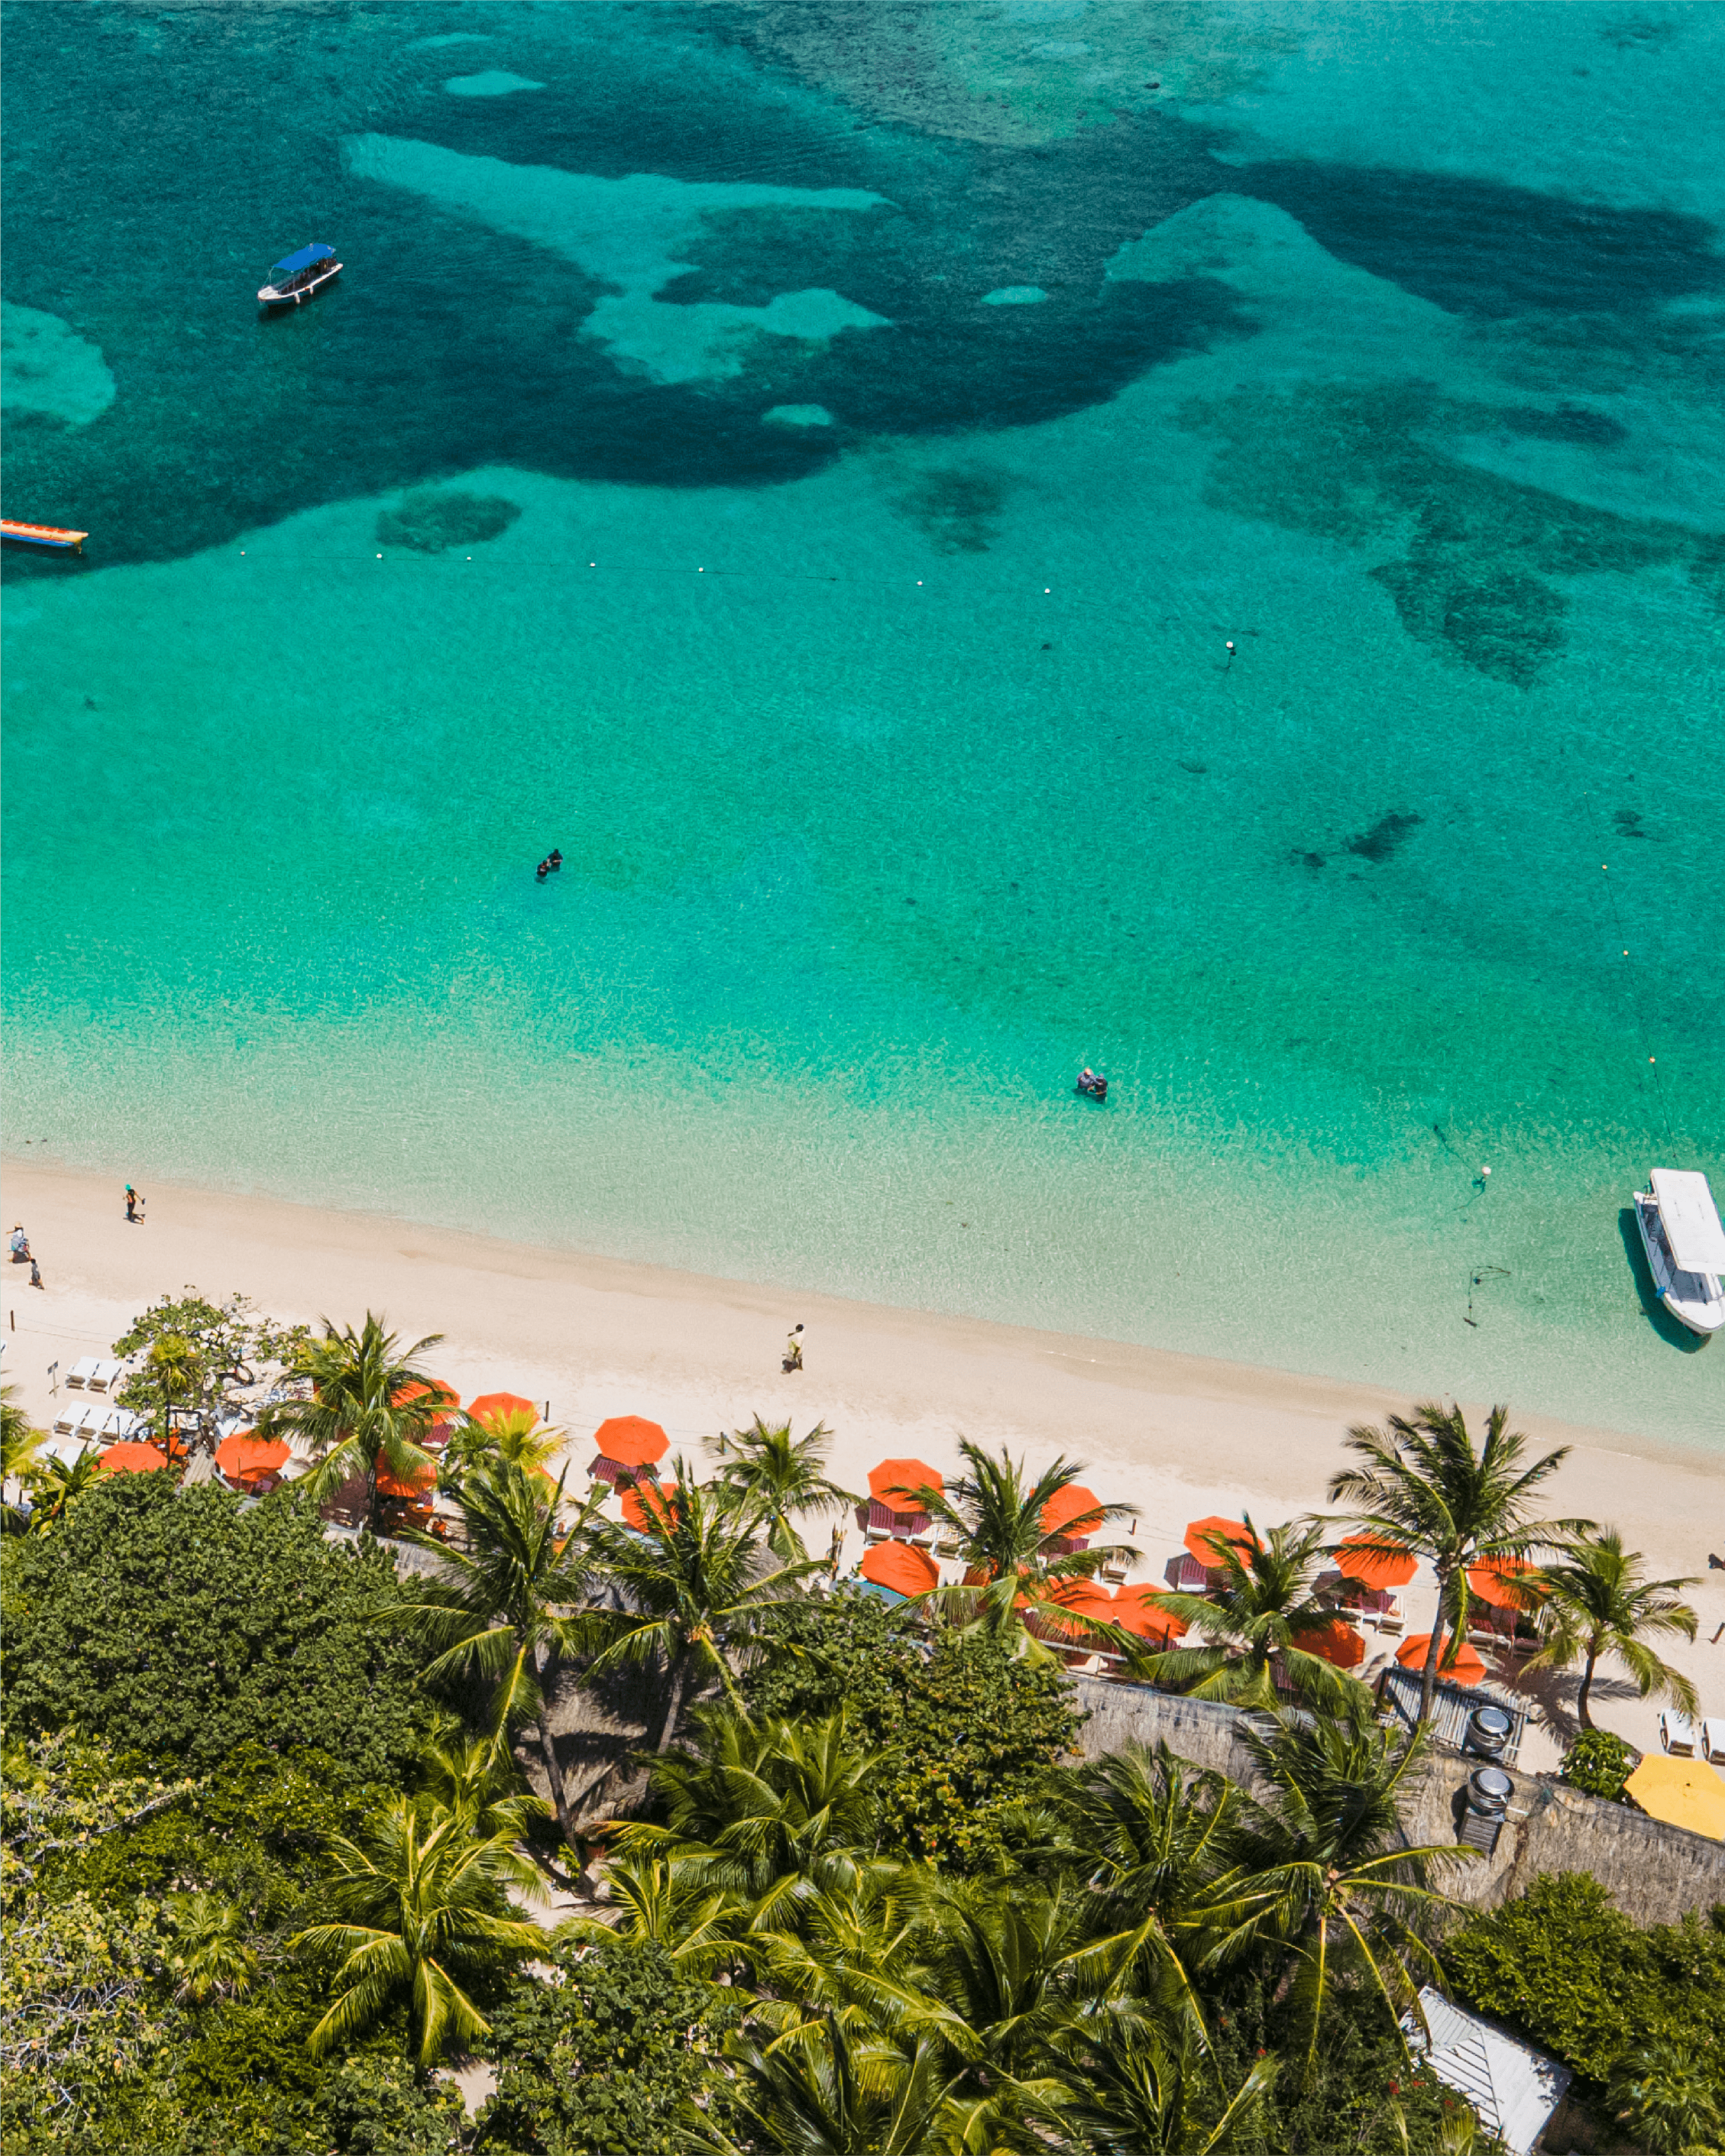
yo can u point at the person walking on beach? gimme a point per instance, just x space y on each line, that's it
133 1203
793 1349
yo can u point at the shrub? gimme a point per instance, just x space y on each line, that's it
603 2058
1599 1763
184 1624
978 1730
1564 1964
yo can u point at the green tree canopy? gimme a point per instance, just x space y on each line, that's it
183 1625
975 1729
1563 1964
221 1350
606 2057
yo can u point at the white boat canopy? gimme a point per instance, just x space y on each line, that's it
1691 1219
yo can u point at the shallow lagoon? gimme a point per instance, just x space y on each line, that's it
667 479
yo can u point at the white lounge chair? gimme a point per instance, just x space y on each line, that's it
81 1372
76 1419
102 1378
1712 1736
1117 1568
1676 1731
1393 1618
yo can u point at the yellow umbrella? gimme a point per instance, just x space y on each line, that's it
1681 1792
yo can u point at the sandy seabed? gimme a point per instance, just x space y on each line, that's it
1175 1435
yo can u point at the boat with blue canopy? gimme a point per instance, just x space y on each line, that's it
299 276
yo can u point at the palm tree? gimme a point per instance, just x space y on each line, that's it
211 1957
1668 2097
856 1951
1332 1877
175 1370
1008 1969
781 1476
475 1781
1422 1487
416 1907
505 1607
1595 1601
1015 1569
20 1442
661 1899
519 1437
1265 1606
59 1485
832 2092
694 1588
771 1812
1153 1841
1141 2088
358 1417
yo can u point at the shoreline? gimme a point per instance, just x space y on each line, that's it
1177 1436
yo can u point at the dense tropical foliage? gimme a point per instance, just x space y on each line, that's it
291 1830
1630 2008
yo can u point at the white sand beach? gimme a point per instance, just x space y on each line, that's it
1175 1435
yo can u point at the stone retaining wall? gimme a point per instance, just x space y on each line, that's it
1653 1872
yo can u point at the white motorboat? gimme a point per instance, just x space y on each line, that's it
1685 1243
300 277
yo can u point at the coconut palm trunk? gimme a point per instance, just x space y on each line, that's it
548 1753
680 1672
1584 1712
1435 1649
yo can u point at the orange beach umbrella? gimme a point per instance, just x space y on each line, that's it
1136 1610
631 1441
501 1407
418 1483
1072 1510
1466 1668
894 1483
1337 1642
1375 1564
245 1456
436 1392
901 1569
1495 1581
1202 1532
638 1500
131 1459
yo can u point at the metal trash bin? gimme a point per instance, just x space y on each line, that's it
1487 1731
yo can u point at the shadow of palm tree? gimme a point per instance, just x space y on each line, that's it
1551 1693
1652 1309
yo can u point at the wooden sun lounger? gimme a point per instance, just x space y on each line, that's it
1712 1736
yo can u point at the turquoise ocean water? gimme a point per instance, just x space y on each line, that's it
809 461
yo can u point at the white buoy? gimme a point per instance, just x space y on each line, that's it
1485 1171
